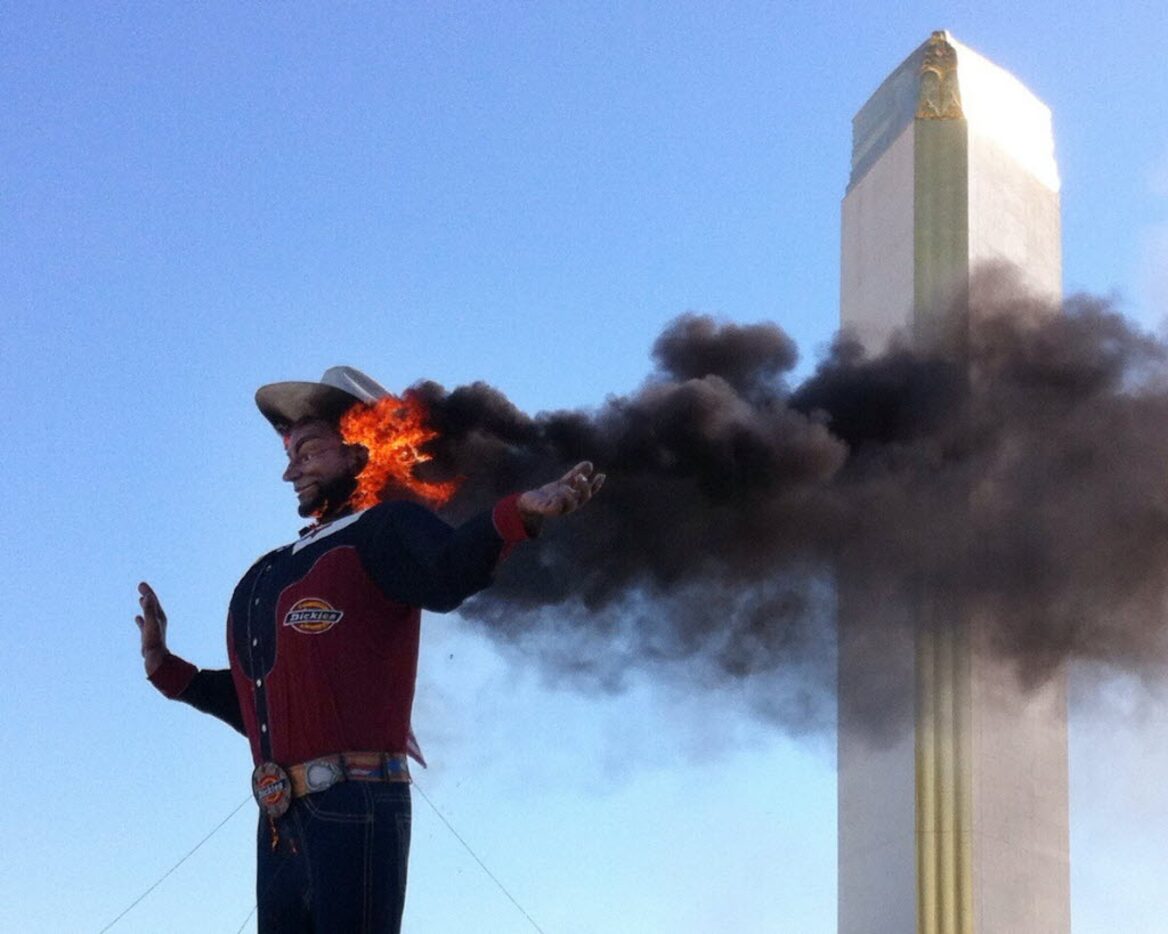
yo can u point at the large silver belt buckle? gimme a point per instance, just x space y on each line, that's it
272 789
321 774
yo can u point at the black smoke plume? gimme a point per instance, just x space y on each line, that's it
1024 480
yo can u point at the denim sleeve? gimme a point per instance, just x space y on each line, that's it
417 559
212 691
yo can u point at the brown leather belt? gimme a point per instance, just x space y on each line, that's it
275 787
322 773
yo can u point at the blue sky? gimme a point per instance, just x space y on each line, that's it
197 199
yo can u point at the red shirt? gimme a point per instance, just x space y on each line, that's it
322 634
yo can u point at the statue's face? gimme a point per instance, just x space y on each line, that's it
321 467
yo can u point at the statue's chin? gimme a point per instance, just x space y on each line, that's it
328 499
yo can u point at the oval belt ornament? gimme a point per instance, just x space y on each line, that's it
322 774
272 789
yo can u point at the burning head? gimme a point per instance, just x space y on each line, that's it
322 468
349 441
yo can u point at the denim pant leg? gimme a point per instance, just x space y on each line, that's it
348 847
282 884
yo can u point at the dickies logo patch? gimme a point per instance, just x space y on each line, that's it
312 616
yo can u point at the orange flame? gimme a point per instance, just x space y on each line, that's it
393 431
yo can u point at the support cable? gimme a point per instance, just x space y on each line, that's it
482 865
214 830
163 877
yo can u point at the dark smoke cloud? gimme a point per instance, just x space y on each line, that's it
1025 482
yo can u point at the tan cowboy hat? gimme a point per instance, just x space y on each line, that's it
341 387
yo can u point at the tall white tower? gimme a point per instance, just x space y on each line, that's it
958 825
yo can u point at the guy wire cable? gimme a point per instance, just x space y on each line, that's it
214 830
482 865
191 853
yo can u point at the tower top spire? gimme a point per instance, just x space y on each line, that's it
939 96
942 79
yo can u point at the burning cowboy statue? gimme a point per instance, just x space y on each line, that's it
322 638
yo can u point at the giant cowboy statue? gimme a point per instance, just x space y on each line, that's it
322 640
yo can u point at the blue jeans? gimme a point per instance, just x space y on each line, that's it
339 861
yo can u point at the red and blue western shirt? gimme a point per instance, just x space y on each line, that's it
322 634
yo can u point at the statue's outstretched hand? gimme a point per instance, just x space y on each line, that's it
560 497
152 627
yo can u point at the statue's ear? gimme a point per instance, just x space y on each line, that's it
360 457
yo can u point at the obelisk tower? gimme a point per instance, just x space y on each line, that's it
959 823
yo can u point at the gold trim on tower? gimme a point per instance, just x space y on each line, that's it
940 94
943 775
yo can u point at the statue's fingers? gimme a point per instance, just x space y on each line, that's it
584 468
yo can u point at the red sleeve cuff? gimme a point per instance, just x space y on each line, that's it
508 521
173 676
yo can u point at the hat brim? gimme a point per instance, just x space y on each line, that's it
285 404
